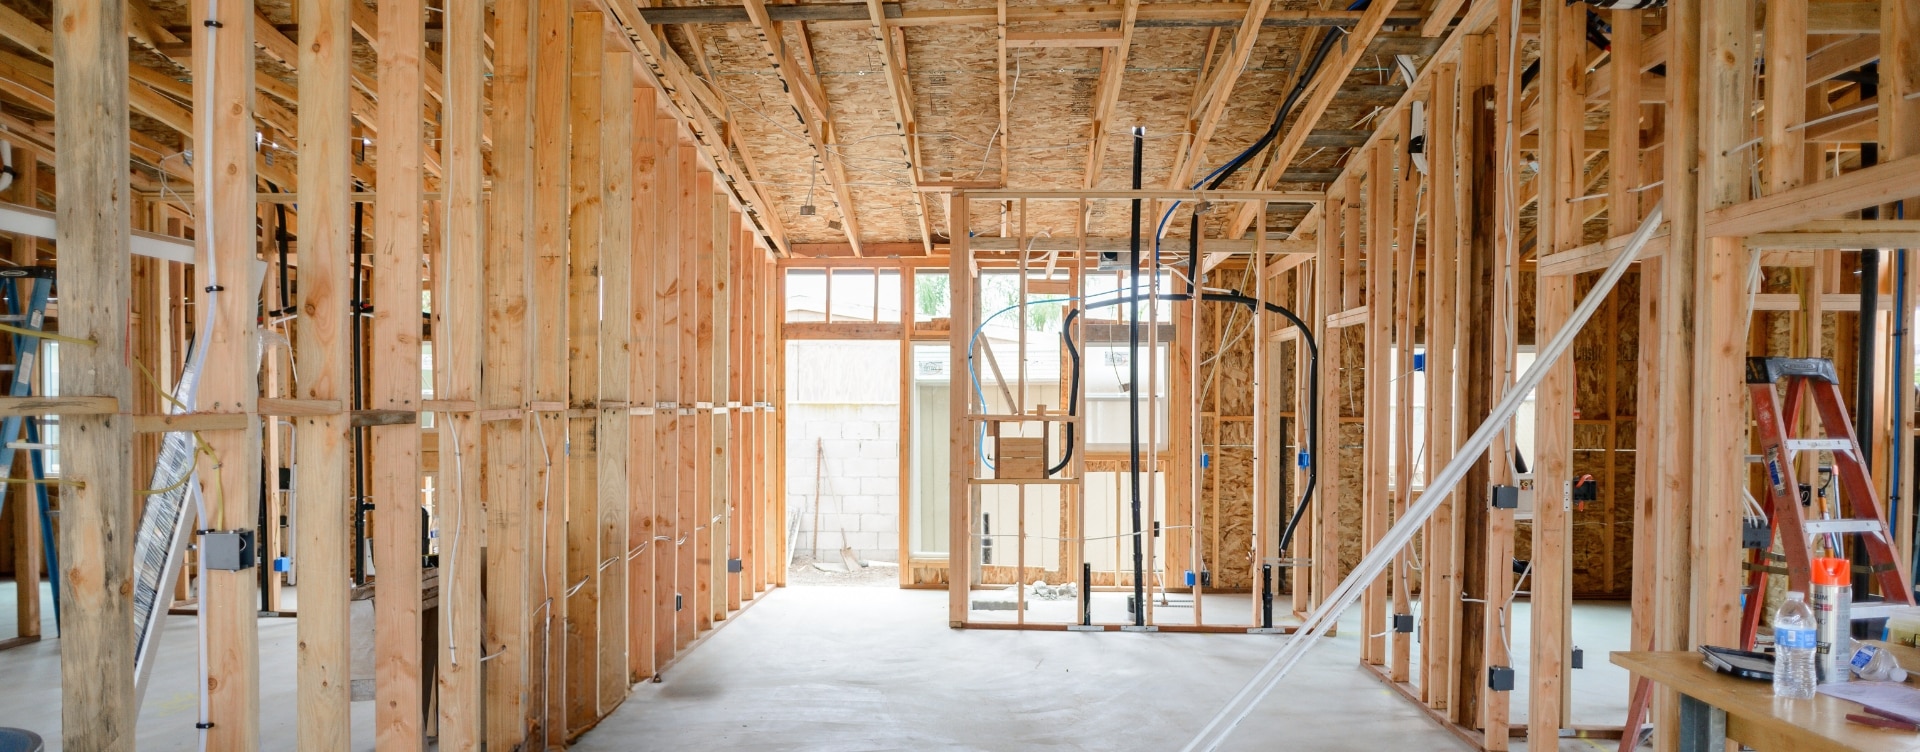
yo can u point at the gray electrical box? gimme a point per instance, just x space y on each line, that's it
1506 497
228 550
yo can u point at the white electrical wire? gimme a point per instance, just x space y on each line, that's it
1223 723
208 225
459 525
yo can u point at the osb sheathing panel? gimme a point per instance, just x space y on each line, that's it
1604 356
951 72
1348 490
870 146
766 127
1226 497
1232 562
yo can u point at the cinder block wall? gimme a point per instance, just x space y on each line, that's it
844 403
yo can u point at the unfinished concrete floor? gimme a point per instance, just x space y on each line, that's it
878 669
30 685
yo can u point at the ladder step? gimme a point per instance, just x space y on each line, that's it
1874 610
1823 527
1819 445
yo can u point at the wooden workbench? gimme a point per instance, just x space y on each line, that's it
1715 707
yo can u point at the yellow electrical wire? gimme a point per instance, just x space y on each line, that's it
46 335
200 447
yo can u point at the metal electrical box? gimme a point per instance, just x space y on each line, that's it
228 550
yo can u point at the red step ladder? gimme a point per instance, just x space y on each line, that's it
1866 517
1803 377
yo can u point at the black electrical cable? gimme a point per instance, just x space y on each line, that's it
1286 106
281 238
1133 389
359 434
1313 379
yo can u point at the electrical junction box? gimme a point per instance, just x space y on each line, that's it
1579 658
733 566
1505 497
228 550
1403 623
1500 678
1755 533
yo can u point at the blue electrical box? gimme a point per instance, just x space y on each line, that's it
283 564
1419 361
1303 460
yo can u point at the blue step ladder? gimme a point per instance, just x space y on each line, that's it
30 314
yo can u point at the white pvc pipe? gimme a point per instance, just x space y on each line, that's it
1323 618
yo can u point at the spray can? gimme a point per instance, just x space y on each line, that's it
1832 603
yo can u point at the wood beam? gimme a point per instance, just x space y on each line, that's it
503 384
666 72
644 544
1379 383
815 118
459 339
1888 181
1562 160
581 500
223 57
614 505
1727 33
1325 84
94 276
673 183
1205 117
394 353
893 66
324 564
553 42
1113 70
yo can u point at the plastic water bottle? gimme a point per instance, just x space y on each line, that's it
1794 644
1874 664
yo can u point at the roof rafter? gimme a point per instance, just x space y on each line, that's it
1325 84
810 104
1202 122
1113 68
894 66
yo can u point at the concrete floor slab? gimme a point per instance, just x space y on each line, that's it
874 669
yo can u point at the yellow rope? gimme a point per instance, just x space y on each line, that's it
46 335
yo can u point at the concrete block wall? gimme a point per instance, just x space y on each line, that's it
859 478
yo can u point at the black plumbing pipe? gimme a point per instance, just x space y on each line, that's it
1086 594
1313 386
281 237
1869 330
1133 389
1266 596
359 434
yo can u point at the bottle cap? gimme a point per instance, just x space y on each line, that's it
1836 572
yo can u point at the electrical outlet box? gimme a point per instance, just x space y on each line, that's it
733 566
1505 497
1579 659
678 602
1500 678
1403 623
228 550
1755 533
